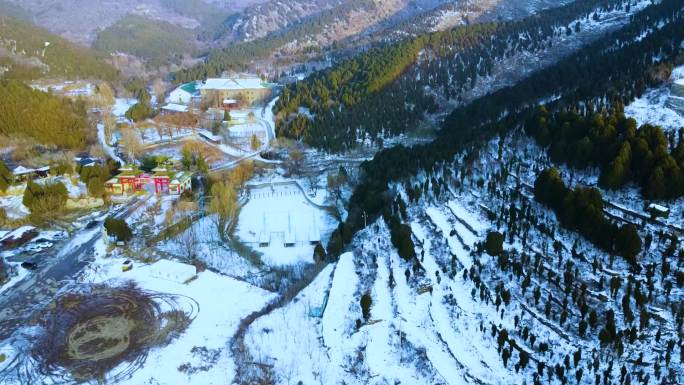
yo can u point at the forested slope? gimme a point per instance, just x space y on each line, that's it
50 120
612 70
356 100
153 40
29 52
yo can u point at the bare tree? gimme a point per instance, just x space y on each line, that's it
159 90
109 122
131 140
189 242
295 161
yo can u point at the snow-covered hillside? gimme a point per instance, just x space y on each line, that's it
655 106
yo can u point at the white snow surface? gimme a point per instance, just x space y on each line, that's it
122 105
280 213
216 320
651 108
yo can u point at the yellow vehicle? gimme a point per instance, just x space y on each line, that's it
127 266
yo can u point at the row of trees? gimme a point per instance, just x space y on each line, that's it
609 140
95 177
581 209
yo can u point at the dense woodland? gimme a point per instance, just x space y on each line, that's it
50 120
581 209
614 69
445 63
623 152
27 56
604 308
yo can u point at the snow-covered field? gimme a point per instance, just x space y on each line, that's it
652 107
278 214
215 322
413 335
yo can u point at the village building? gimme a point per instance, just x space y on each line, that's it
23 174
162 180
186 94
230 104
85 160
658 211
247 90
170 182
129 180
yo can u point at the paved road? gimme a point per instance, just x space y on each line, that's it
21 303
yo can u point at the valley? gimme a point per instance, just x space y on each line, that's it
342 192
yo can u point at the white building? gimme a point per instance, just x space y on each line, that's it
245 89
184 94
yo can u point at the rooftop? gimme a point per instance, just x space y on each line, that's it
190 88
233 84
175 107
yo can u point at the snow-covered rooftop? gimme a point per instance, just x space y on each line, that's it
233 84
657 207
18 233
209 135
175 107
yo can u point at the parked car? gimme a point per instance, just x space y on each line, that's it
30 265
39 246
127 265
92 225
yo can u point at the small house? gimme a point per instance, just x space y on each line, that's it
22 174
181 183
